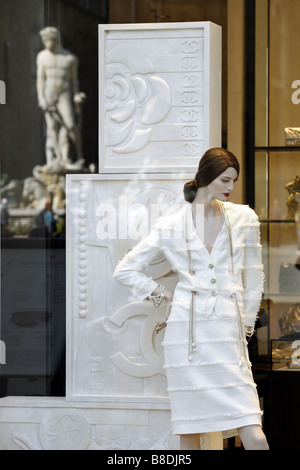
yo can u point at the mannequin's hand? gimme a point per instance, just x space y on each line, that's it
163 324
249 330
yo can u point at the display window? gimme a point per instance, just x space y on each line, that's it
53 139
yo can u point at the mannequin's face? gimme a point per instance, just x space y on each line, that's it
221 187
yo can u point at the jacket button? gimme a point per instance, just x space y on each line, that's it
213 281
214 294
211 266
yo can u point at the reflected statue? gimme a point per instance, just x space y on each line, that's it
34 193
60 99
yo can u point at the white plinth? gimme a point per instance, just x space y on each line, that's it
159 95
35 423
112 349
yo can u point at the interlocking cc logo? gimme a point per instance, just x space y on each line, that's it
153 359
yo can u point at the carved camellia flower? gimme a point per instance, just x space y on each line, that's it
136 99
63 429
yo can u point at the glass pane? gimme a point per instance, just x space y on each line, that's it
284 68
261 185
161 11
284 236
33 316
261 73
284 166
32 262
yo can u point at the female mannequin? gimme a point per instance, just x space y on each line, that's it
213 308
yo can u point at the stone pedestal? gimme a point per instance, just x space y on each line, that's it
56 424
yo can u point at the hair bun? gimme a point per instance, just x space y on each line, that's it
189 190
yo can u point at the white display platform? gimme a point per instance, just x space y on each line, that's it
37 423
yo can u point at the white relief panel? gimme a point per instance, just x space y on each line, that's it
41 423
112 349
159 95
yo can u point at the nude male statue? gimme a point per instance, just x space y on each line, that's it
60 99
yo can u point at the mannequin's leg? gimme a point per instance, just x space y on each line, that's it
253 438
190 442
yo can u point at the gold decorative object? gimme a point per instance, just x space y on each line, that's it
292 135
293 189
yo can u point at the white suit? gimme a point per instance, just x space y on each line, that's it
213 389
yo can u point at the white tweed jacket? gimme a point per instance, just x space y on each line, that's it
213 279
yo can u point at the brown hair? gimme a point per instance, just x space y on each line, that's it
214 162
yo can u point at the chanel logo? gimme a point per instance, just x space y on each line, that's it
189 132
190 97
190 81
153 361
190 47
189 63
190 148
190 115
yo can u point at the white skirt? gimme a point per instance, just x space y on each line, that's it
212 391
